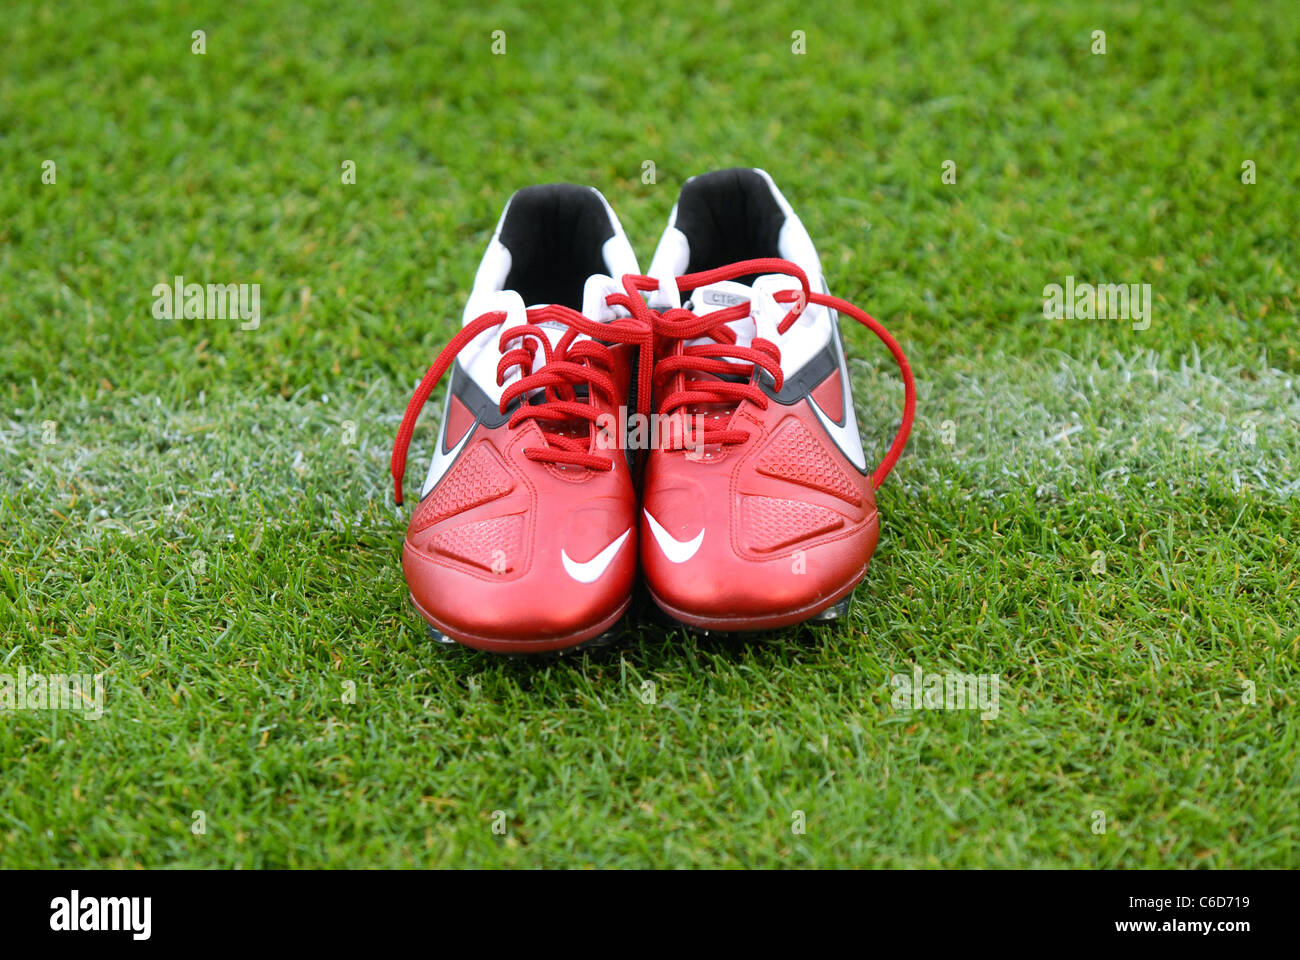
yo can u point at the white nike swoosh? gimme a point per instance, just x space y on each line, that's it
846 437
678 551
590 571
442 461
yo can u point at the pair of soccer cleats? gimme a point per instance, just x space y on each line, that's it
692 426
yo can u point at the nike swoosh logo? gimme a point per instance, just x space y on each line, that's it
443 461
677 551
591 571
846 436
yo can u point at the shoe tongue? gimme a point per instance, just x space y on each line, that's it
713 297
594 307
765 313
768 314
594 292
764 317
479 358
716 296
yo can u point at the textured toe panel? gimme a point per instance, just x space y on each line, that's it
769 523
478 478
492 544
794 454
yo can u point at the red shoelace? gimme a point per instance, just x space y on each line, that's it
573 362
569 364
724 358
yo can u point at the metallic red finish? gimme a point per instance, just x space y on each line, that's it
762 563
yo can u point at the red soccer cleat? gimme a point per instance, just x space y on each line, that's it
767 516
525 537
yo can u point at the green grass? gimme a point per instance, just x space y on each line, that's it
212 527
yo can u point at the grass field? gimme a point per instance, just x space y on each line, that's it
1102 517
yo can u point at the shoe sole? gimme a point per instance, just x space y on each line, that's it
824 611
598 635
836 611
607 639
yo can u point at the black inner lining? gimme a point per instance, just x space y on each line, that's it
729 215
555 234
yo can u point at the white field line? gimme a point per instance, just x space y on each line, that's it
1064 425
1058 424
